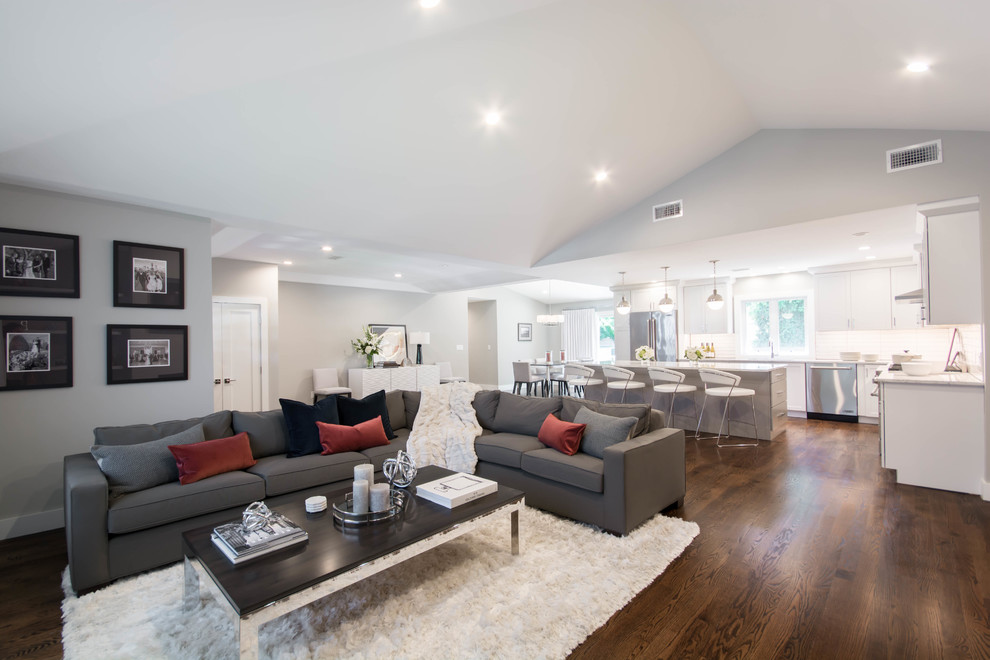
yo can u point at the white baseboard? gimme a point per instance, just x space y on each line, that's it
31 523
985 491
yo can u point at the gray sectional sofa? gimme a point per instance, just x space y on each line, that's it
109 537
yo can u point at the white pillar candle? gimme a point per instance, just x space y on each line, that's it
380 497
365 471
360 495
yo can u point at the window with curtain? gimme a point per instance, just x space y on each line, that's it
579 336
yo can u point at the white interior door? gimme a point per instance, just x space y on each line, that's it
238 366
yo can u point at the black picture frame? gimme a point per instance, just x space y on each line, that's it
147 353
148 276
395 348
524 332
37 352
38 263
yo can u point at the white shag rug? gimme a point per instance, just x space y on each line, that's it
468 598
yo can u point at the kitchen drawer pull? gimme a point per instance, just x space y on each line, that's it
812 366
782 414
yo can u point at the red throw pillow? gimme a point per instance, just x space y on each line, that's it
563 436
205 459
336 438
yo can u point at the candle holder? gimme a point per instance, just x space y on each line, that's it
343 511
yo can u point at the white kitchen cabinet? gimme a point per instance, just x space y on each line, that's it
869 405
932 435
853 300
902 280
951 267
698 319
645 300
367 381
796 392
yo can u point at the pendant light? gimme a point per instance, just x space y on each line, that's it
623 307
549 319
666 304
715 301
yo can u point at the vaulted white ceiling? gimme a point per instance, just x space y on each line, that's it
359 124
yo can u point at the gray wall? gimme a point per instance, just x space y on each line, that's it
39 427
317 323
483 343
251 280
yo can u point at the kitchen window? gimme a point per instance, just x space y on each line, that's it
774 327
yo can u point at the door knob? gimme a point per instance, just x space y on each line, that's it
229 380
216 381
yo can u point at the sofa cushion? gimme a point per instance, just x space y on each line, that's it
603 431
395 403
266 431
565 437
130 468
523 414
300 420
377 455
286 475
337 438
355 411
212 457
570 406
505 448
172 502
216 425
580 470
411 401
485 406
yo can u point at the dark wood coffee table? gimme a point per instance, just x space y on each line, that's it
265 588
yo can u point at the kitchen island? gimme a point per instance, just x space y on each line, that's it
767 379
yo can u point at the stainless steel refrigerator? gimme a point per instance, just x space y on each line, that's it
656 330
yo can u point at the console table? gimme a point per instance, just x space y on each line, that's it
365 381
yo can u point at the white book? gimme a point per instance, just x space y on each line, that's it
456 489
276 545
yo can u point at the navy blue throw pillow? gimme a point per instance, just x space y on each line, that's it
301 419
354 411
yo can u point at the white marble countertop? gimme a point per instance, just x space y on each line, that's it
941 378
712 364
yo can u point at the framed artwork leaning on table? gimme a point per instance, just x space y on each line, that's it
393 345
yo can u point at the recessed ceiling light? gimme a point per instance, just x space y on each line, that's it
871 256
864 247
287 262
493 117
398 275
327 248
918 67
601 175
428 4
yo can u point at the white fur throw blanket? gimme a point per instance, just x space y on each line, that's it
445 428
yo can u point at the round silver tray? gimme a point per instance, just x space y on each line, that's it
343 512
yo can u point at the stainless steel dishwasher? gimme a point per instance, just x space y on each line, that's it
832 391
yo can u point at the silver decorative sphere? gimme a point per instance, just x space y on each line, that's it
399 471
255 516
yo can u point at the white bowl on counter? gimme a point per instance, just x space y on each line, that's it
902 358
849 356
918 368
870 357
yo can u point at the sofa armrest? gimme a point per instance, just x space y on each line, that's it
643 475
658 420
86 493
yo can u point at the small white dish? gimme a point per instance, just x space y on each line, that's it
849 356
316 504
870 357
916 368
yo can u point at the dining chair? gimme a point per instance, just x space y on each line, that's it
523 376
447 374
723 385
325 383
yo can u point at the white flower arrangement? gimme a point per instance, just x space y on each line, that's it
369 344
693 353
645 353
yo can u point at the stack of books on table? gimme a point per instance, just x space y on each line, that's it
457 489
239 545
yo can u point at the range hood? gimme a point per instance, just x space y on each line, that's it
916 296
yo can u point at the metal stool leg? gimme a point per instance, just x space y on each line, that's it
756 441
697 431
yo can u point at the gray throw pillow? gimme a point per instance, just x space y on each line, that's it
640 411
485 406
131 468
602 431
523 414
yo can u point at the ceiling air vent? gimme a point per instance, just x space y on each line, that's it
917 155
668 210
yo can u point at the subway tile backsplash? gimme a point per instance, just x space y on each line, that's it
931 343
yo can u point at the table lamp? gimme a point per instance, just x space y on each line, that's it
419 338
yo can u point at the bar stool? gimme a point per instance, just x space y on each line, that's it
668 381
580 377
723 385
617 378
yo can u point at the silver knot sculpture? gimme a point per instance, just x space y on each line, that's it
399 471
256 516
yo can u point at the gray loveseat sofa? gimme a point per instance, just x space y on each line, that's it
112 537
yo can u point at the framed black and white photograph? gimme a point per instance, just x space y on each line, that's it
148 276
37 352
524 332
37 263
393 345
147 353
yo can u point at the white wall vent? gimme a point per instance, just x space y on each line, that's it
917 155
668 210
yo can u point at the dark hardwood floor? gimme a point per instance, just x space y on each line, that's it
807 550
